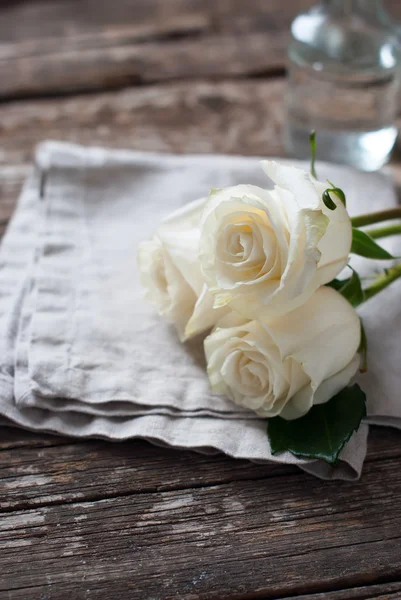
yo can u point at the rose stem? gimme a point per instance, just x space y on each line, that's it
386 231
312 142
382 282
377 217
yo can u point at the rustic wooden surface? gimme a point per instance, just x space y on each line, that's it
87 520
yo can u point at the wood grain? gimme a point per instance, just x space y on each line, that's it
60 470
387 591
95 470
210 541
12 438
93 69
67 46
199 116
225 116
234 117
41 25
68 20
61 46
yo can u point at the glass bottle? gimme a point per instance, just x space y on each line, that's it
343 81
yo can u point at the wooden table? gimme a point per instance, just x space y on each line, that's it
85 520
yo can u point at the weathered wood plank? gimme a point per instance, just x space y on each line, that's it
200 116
43 20
268 539
387 591
31 24
37 471
12 438
59 46
233 117
214 56
76 471
390 591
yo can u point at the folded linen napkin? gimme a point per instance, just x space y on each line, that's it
84 355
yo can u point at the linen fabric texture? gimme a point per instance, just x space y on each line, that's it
82 354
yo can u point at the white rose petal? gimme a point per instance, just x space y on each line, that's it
186 217
164 285
265 252
288 364
171 276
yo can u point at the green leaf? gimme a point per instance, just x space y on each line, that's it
338 192
337 284
363 245
350 288
331 205
363 349
324 430
312 141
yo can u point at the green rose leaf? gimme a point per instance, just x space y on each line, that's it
338 192
329 203
364 245
337 284
324 430
350 288
363 349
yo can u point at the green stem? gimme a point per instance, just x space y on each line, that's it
382 282
377 217
312 141
386 231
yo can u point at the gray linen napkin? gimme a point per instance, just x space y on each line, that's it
84 355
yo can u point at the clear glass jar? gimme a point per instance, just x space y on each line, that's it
343 81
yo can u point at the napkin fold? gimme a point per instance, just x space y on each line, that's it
82 354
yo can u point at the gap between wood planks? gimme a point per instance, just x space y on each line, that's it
173 527
63 46
226 116
391 589
91 471
255 74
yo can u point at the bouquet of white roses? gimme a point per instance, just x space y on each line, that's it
258 268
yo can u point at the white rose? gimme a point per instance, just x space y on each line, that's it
290 363
171 275
265 252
